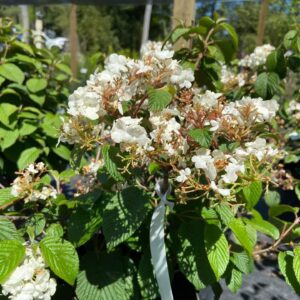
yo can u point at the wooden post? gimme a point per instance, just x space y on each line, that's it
183 11
73 38
262 22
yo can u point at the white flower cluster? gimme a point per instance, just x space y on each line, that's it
228 77
294 109
31 280
124 79
23 185
168 135
257 57
212 162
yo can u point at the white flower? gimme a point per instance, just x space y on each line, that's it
31 280
116 64
260 110
128 130
183 78
164 128
215 124
231 171
258 57
31 169
258 148
208 100
47 192
183 175
84 102
205 162
220 190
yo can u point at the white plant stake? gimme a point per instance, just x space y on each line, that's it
157 246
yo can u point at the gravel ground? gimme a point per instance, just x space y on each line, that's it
262 284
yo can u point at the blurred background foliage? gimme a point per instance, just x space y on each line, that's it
110 28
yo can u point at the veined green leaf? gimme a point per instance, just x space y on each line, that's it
8 230
217 249
111 162
264 227
61 257
124 214
202 136
240 232
252 193
12 253
192 257
106 277
159 99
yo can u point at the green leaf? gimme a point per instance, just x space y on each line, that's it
55 229
278 210
12 253
289 38
67 175
23 46
12 72
28 156
105 277
178 33
27 128
297 191
111 162
62 151
231 31
62 67
1 80
8 230
10 137
252 193
225 213
264 227
124 214
272 198
267 84
83 224
243 261
25 59
233 278
61 257
276 62
202 136
296 263
39 99
153 167
159 99
217 249
6 111
240 232
192 256
285 263
207 22
6 197
37 222
35 85
147 282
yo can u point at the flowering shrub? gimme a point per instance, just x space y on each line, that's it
166 174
